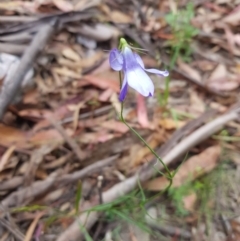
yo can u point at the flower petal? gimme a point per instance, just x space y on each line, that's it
124 89
139 60
154 71
140 81
116 60
158 72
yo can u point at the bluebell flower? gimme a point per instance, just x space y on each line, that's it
134 72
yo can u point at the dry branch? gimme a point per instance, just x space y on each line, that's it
9 90
74 233
25 195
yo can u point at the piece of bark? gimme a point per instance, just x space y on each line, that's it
10 90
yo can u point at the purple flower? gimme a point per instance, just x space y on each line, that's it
134 72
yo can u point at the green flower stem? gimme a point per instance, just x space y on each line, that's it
170 175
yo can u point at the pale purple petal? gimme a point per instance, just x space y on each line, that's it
158 72
116 60
140 81
139 60
154 71
124 89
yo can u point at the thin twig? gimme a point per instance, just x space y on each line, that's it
79 153
73 232
18 235
25 195
9 90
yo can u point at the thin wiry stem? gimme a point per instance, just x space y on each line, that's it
170 175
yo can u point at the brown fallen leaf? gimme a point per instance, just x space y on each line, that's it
88 62
106 95
120 17
5 157
219 72
102 83
34 113
67 72
115 126
170 124
194 167
10 136
221 81
193 73
65 6
69 53
224 84
95 137
233 18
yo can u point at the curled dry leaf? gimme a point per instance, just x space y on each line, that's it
194 167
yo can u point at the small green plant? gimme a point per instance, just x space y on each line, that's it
183 32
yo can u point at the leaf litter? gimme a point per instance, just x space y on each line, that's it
71 81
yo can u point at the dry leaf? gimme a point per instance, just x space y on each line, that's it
90 61
65 6
224 85
197 103
115 126
95 137
115 102
102 83
194 167
71 54
106 95
193 73
220 80
219 72
170 124
120 17
5 157
232 18
67 72
10 136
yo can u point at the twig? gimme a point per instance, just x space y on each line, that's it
179 134
9 90
13 230
170 230
79 153
25 195
74 233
